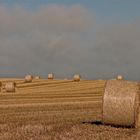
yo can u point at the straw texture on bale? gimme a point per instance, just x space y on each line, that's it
10 87
119 77
121 103
77 77
28 78
50 76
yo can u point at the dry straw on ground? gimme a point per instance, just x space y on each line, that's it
77 77
28 78
50 76
10 86
0 86
55 109
121 103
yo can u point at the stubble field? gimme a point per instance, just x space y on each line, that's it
57 110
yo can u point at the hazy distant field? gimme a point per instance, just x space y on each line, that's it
57 110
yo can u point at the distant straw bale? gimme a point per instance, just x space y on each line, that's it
119 77
121 103
10 86
28 78
37 77
50 76
77 77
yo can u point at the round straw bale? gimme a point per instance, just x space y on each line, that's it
119 77
28 78
10 86
37 77
77 77
50 76
121 103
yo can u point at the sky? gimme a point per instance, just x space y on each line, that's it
98 39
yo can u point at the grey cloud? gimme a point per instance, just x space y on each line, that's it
41 41
118 47
63 40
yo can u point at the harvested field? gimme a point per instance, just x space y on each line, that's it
57 110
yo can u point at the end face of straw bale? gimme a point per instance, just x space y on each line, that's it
50 76
28 78
121 103
10 87
77 77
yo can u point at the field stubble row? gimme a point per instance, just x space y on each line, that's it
55 109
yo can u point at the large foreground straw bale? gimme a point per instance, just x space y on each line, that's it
28 78
77 77
10 86
121 103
